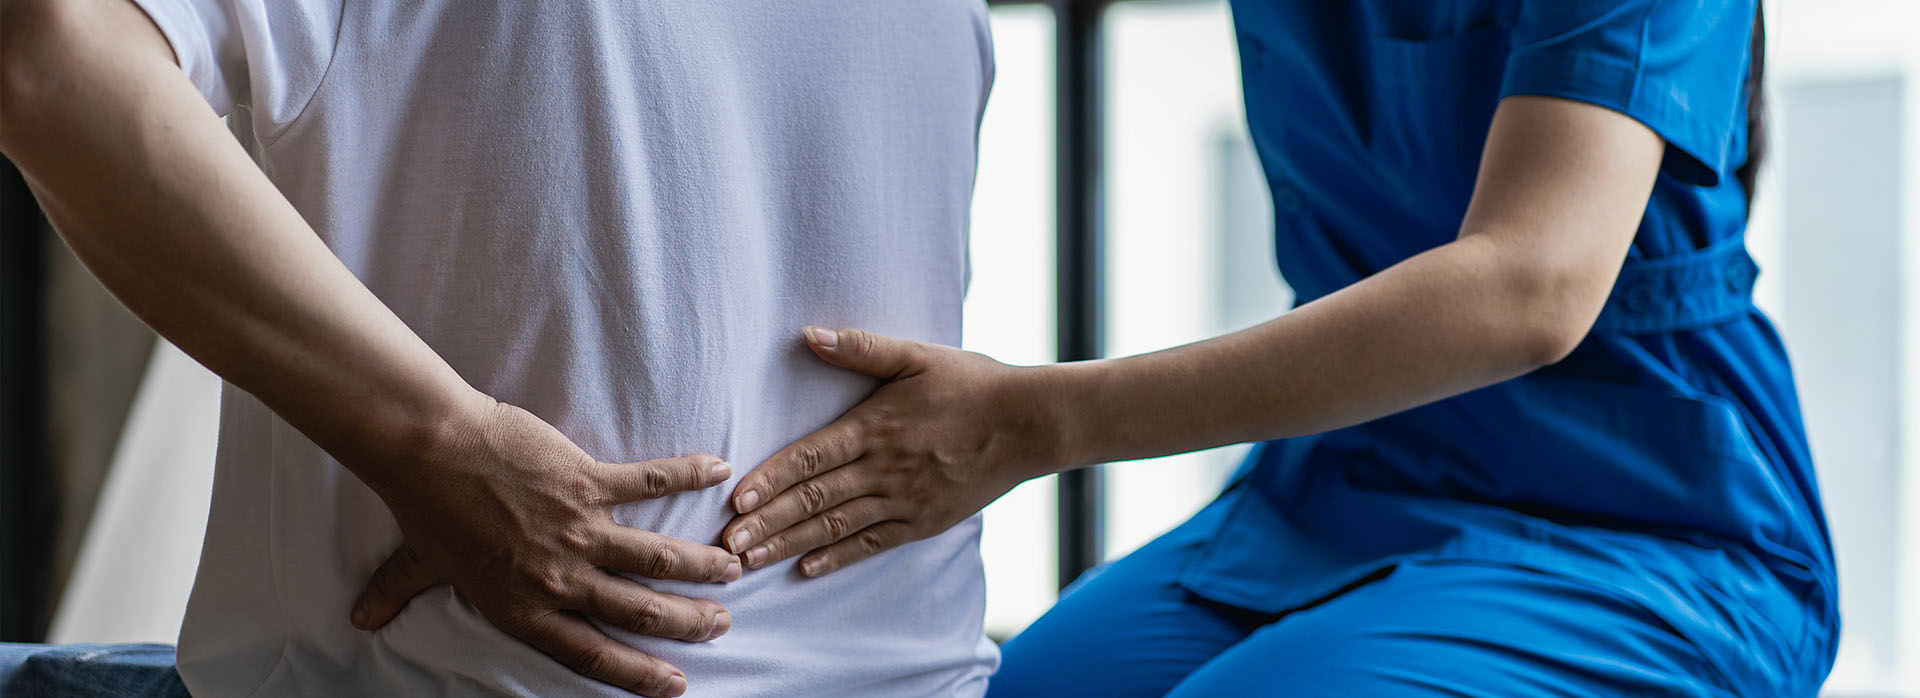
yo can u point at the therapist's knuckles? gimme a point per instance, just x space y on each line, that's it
829 527
797 463
812 496
868 542
811 458
815 497
836 524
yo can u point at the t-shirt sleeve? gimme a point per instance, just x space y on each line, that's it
1678 66
267 55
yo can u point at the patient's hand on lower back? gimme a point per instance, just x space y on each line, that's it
164 206
518 519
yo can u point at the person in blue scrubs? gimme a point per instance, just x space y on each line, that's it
1524 435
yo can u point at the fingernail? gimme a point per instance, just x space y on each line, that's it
676 685
757 555
823 337
811 567
733 572
722 471
748 501
738 541
360 615
722 622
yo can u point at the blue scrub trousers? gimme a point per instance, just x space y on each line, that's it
1418 629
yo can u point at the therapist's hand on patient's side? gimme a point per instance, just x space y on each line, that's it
1556 205
949 432
516 517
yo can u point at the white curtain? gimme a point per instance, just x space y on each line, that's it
136 565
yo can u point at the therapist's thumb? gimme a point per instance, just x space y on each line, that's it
873 354
398 580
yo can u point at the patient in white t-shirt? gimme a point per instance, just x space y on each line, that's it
520 290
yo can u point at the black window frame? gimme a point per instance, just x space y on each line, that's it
1079 249
27 498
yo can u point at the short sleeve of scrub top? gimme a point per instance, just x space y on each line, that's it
1678 67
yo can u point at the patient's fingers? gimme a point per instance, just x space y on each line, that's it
573 642
652 555
625 604
860 546
798 503
396 582
832 446
829 527
653 479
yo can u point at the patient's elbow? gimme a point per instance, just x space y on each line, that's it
18 88
39 40
23 69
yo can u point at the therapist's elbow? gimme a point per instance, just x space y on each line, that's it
1549 311
1547 342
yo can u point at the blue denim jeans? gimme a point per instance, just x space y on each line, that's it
89 671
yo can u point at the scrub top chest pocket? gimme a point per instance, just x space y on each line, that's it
1431 107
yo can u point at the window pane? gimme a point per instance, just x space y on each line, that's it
1190 251
1837 265
1009 311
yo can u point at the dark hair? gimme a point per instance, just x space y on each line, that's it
1756 106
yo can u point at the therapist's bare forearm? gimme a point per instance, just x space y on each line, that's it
1560 192
1428 328
159 201
1559 196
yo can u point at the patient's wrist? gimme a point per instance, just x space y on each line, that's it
405 443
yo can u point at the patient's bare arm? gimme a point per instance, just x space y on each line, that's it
143 181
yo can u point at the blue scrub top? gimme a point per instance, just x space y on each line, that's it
1665 458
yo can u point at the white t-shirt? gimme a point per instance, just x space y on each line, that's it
617 216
